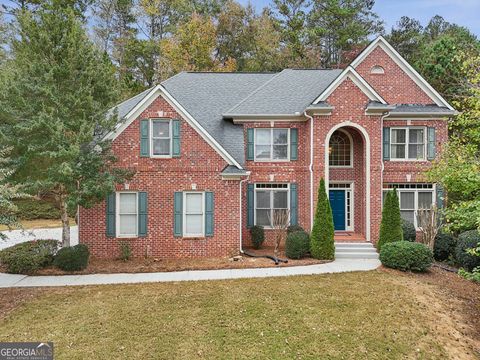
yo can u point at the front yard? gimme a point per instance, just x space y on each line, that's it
372 315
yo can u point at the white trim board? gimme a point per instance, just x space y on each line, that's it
350 73
159 90
405 66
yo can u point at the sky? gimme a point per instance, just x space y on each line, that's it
461 12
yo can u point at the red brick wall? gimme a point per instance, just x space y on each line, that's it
395 86
198 164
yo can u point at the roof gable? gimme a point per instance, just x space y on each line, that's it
406 68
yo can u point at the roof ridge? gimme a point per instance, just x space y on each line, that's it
254 91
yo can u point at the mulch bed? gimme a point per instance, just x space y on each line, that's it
146 265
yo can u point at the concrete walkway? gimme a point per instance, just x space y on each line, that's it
337 266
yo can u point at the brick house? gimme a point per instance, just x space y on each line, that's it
215 153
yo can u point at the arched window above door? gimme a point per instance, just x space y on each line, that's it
340 149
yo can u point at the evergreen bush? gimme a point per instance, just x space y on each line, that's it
406 256
293 228
444 247
467 240
297 244
322 237
28 257
258 236
73 258
409 232
391 225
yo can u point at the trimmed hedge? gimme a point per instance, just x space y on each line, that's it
293 228
72 258
32 209
409 232
322 244
297 244
406 256
30 256
467 240
444 247
258 236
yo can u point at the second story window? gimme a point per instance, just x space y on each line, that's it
340 149
407 143
271 144
161 138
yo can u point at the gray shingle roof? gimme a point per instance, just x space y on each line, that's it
206 96
419 108
287 93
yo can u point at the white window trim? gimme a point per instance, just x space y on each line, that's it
350 138
287 190
117 214
150 135
407 142
184 215
350 189
271 145
432 190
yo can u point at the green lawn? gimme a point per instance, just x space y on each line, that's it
343 316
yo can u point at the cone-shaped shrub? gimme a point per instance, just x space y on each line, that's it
321 239
391 226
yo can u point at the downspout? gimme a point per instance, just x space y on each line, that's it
310 168
385 114
241 214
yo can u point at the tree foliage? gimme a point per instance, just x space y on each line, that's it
322 244
391 225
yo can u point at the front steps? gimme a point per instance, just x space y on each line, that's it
359 250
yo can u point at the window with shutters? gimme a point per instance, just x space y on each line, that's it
340 149
127 214
272 144
193 214
408 143
412 197
160 138
269 199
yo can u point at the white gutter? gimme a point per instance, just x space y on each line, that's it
381 153
310 168
241 214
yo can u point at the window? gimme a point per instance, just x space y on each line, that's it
271 144
377 69
161 138
340 149
408 143
270 199
127 216
194 214
412 198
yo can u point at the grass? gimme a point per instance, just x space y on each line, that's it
343 316
40 224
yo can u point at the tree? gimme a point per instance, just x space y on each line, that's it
391 225
406 37
322 244
54 97
336 27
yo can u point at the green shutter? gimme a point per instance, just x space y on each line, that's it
293 205
250 204
440 196
293 144
144 138
386 143
142 214
178 214
431 143
110 215
176 138
209 213
250 145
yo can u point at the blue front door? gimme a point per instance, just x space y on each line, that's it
337 202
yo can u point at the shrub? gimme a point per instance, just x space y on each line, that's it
297 244
322 245
125 250
30 256
409 232
467 240
72 258
391 225
444 247
406 256
293 228
258 236
472 276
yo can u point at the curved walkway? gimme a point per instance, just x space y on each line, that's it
337 266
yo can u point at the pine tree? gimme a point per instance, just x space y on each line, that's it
54 96
391 225
322 238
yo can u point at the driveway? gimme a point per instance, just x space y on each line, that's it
18 236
